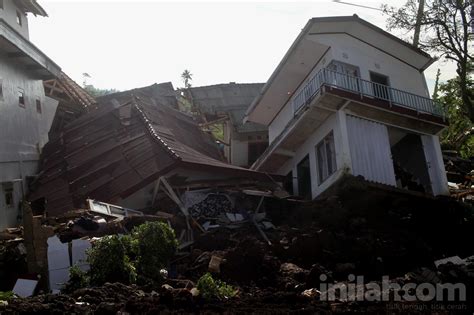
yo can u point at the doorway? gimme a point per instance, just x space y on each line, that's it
380 86
304 178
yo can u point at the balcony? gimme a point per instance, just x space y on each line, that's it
22 52
367 92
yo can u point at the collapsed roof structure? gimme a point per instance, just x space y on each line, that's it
227 104
118 151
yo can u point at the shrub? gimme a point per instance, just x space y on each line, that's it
210 288
6 295
77 279
109 261
154 244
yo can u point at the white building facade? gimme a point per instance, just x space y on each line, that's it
26 113
351 98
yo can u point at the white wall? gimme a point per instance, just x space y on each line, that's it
23 131
239 151
336 124
436 170
349 50
9 15
353 51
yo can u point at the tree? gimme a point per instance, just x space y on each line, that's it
187 78
459 135
446 28
96 92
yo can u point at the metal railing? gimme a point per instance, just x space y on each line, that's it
366 88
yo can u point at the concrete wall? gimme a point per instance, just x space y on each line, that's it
24 131
337 124
353 51
9 13
239 151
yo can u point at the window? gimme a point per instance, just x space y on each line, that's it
304 178
326 157
18 18
8 194
38 106
21 97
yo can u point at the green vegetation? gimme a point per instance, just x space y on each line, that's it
77 279
459 134
6 295
126 259
154 243
110 262
211 289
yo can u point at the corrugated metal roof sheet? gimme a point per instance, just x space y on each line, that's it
126 143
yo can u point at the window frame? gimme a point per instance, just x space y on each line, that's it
8 194
326 161
19 18
39 106
21 98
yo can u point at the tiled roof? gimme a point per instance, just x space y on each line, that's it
125 144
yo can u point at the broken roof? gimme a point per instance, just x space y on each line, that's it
129 141
232 99
65 88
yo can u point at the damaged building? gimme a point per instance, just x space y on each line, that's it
351 98
226 104
123 150
27 113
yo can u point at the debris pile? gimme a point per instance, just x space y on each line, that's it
357 232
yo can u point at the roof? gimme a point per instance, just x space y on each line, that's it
306 51
129 141
232 99
64 87
31 6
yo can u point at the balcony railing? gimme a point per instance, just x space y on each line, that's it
365 88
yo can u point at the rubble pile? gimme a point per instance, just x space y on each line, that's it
356 232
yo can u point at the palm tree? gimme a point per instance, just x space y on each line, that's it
187 78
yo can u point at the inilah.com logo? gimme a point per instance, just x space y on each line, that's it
356 289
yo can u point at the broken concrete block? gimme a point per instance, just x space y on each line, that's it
215 264
25 287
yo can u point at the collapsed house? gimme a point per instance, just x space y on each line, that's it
226 104
27 113
349 97
124 150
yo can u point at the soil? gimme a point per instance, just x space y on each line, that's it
358 230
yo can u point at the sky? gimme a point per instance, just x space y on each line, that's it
129 44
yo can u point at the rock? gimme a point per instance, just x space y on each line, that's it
194 292
293 271
311 293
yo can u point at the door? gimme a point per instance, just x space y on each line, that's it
380 86
370 150
345 76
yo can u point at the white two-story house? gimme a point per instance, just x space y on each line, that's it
349 97
26 113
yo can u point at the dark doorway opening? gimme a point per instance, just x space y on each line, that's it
409 161
380 86
304 178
